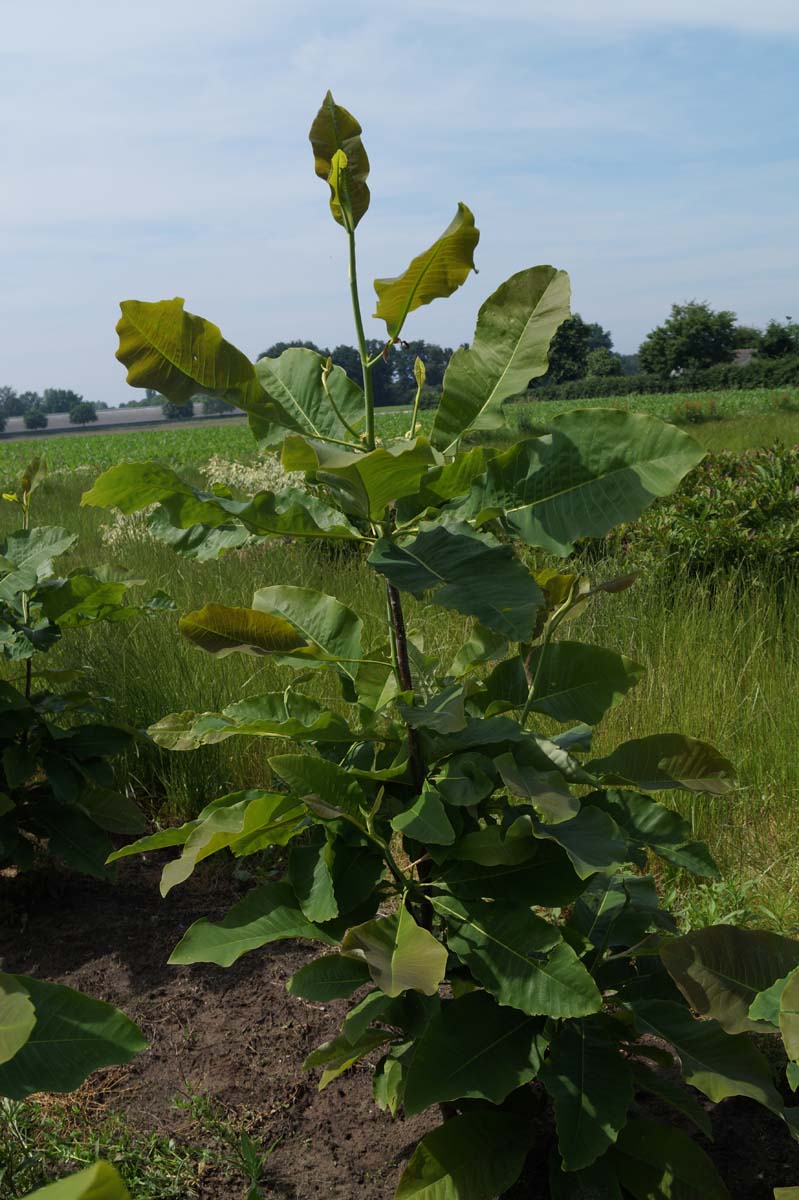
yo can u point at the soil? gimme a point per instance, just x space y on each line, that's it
237 1036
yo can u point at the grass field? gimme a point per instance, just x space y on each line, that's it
722 664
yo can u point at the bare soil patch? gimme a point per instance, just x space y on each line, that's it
237 1035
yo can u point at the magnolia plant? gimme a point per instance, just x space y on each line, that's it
475 879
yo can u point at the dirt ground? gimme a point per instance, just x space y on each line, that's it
236 1035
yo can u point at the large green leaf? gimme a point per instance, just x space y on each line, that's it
720 970
655 1160
265 818
595 469
667 760
474 1049
98 1182
510 347
518 957
474 575
678 1097
132 487
617 910
17 1016
578 682
178 354
267 914
310 873
475 1156
336 130
652 825
289 715
330 629
766 1004
592 839
433 275
333 408
363 484
29 555
331 977
73 1036
545 790
545 879
591 1085
444 712
425 820
327 788
399 953
717 1063
220 631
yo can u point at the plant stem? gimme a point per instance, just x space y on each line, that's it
366 366
405 679
528 704
415 412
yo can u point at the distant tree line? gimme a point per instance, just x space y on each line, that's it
36 408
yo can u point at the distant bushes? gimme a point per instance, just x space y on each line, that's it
734 512
760 372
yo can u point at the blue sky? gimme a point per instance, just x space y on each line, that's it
650 147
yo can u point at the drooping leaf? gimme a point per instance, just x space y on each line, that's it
98 1182
318 402
591 1085
465 779
578 682
336 130
652 825
518 957
363 484
271 818
592 839
178 354
667 760
474 1049
17 1016
473 574
595 469
332 977
433 275
364 1013
658 1160
720 970
324 786
717 1063
442 713
267 914
73 1036
399 953
475 1156
546 879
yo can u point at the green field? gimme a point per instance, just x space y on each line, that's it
743 418
722 663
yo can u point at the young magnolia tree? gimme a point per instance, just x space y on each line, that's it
474 878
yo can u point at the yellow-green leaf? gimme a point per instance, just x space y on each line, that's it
399 953
179 354
221 630
432 275
336 130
